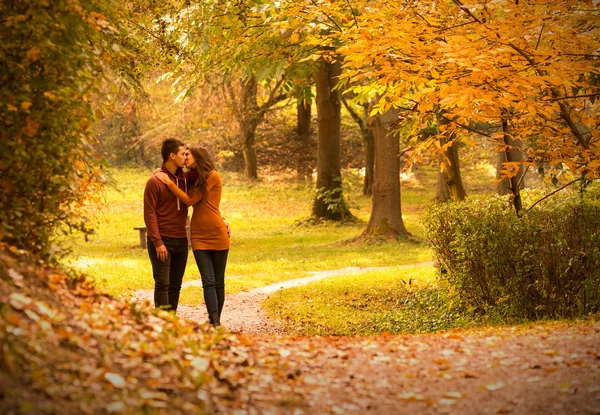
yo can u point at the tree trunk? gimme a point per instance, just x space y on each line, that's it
329 202
369 145
386 215
451 170
514 183
512 155
303 165
442 192
250 118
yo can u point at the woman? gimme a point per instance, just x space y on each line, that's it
209 231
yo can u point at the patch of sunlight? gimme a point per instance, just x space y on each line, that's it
488 168
87 262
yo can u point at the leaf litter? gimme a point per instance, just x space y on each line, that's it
67 348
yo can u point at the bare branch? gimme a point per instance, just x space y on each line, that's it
574 97
550 194
326 15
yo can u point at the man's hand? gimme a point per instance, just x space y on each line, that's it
228 228
162 253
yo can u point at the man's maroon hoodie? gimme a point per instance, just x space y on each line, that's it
164 214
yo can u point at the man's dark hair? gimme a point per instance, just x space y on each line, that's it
170 145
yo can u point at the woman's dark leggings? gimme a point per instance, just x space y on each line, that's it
212 270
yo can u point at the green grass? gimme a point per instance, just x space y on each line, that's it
394 300
268 243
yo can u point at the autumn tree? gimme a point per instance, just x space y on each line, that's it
449 165
361 118
329 201
239 44
527 68
54 55
249 114
303 135
386 215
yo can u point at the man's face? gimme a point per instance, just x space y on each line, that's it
179 158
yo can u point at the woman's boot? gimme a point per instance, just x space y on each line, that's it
214 318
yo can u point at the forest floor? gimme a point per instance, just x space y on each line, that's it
67 348
537 369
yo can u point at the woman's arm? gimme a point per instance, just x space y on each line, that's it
181 195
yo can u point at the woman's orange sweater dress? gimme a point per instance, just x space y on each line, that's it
208 231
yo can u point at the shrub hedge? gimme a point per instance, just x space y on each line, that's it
543 264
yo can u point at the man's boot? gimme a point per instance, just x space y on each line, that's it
214 318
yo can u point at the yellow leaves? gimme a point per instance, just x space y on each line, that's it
25 105
31 127
33 54
13 319
434 74
295 37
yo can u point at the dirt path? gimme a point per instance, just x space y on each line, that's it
550 368
242 312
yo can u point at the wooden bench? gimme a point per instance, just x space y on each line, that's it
142 230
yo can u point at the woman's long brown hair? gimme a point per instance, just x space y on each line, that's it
204 166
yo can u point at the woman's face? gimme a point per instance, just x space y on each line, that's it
190 161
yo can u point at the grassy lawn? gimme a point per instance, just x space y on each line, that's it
394 300
269 243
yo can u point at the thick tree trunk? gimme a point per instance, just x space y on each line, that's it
514 183
386 215
303 165
329 202
451 171
250 118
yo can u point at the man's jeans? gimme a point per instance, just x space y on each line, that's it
168 275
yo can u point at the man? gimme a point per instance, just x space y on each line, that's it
166 218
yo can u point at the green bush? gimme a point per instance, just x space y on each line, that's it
544 264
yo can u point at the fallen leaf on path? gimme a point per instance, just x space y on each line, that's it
494 386
564 387
410 396
115 379
16 277
116 407
19 301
